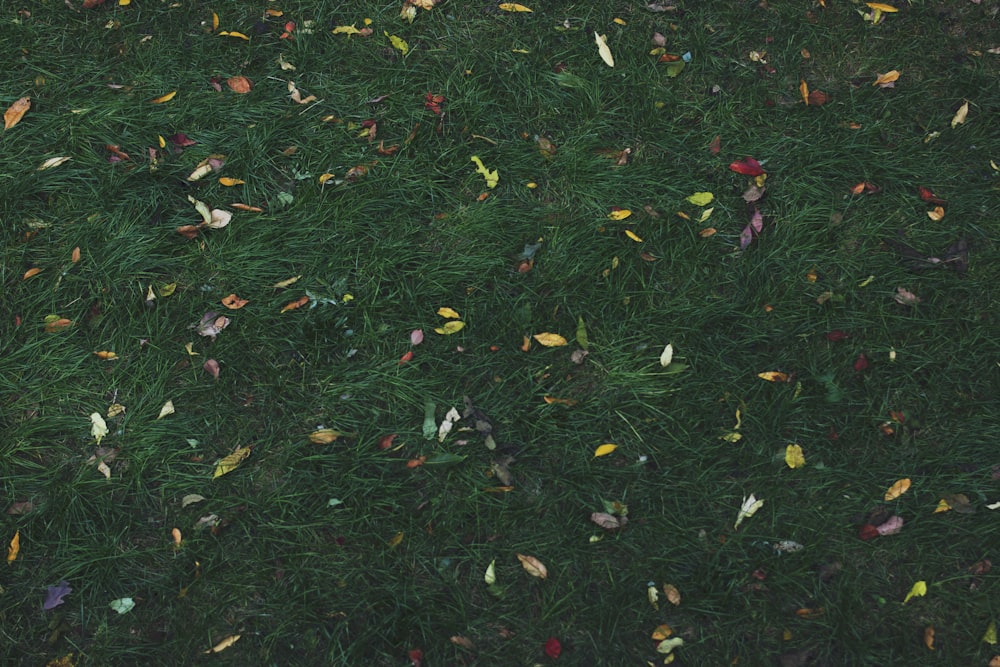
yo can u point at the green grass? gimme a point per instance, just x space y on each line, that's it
307 582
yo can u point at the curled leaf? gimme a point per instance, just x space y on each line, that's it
533 566
12 116
919 589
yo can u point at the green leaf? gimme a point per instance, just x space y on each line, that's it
581 334
443 458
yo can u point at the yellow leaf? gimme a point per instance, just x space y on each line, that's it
12 116
106 355
99 427
190 350
619 21
167 409
619 214
160 140
804 91
492 177
215 21
794 457
224 644
898 489
960 115
345 30
513 7
231 462
888 77
773 376
399 43
395 540
533 566
882 7
701 198
445 311
632 235
491 574
238 35
990 636
450 327
549 339
164 98
942 506
706 214
662 632
918 591
605 449
52 162
14 548
937 214
324 436
603 50
323 178
286 282
230 182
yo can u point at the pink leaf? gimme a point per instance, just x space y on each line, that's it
416 337
891 526
180 139
746 236
757 221
212 368
608 521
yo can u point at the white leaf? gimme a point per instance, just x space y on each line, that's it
748 509
603 50
446 425
219 218
98 428
667 355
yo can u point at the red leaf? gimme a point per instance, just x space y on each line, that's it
867 532
861 363
716 145
416 656
930 197
747 166
818 98
837 335
181 139
553 648
406 357
386 441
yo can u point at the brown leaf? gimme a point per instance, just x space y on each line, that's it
533 566
464 642
817 98
212 368
12 116
239 84
673 595
20 507
293 305
234 302
90 4
608 521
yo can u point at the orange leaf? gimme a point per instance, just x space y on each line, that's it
773 376
12 116
898 489
234 302
526 344
818 98
14 548
298 303
406 357
888 77
559 401
58 325
804 91
164 98
246 207
230 182
75 257
239 84
417 462
31 273
106 355
188 231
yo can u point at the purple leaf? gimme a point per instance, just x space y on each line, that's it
757 221
54 596
746 236
182 140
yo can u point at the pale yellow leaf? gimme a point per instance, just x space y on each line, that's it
603 50
345 30
897 489
701 198
231 462
773 376
324 436
492 177
748 509
167 409
52 162
450 327
12 116
667 355
513 7
445 311
605 449
491 574
286 282
960 115
98 427
533 566
937 214
794 457
224 644
549 339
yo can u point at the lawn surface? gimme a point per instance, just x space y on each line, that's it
275 473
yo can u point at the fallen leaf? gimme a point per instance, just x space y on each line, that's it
14 548
492 177
960 115
897 489
549 339
293 305
450 327
905 297
773 376
619 213
164 98
747 167
990 636
533 566
553 648
632 235
605 449
286 282
450 313
937 214
701 198
12 116
794 457
887 79
919 589
603 50
667 646
106 355
191 499
211 367
211 325
716 145
661 632
54 595
52 162
395 540
234 302
804 91
167 409
748 509
324 436
224 644
233 33
818 98
513 7
239 84
407 356
608 521
231 462
398 43
122 605
929 637
416 337
667 355
99 427
20 507
230 182
882 7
